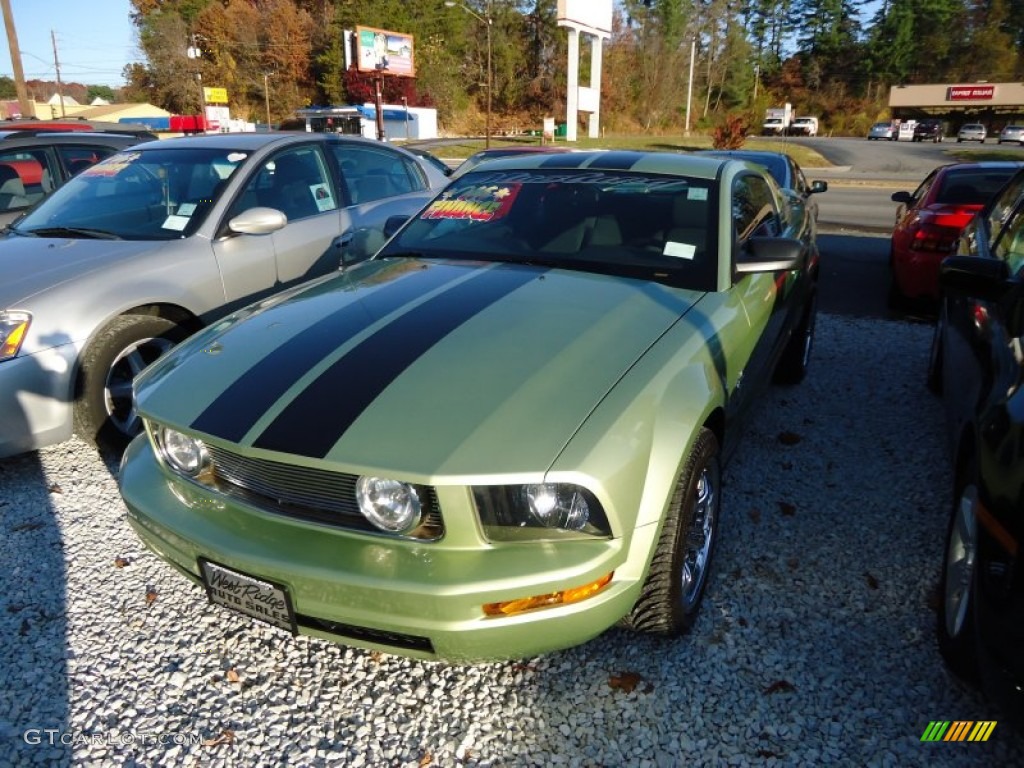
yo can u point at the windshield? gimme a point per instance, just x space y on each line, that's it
972 188
633 225
137 194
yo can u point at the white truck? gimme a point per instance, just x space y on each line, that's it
777 120
804 126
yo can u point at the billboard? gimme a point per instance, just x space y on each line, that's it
383 51
591 14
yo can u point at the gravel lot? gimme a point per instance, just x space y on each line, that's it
815 645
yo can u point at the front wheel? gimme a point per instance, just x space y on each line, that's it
104 411
955 622
672 593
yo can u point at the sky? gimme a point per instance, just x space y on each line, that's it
95 40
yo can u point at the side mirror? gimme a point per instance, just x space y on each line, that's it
258 221
902 197
393 224
819 186
980 278
771 254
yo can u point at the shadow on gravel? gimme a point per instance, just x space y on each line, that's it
33 667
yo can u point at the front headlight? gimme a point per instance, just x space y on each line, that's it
185 455
391 505
13 329
539 510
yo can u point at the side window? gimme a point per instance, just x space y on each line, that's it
77 158
24 178
371 174
1003 207
922 190
753 209
1010 245
294 182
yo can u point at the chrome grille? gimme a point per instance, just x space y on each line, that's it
307 493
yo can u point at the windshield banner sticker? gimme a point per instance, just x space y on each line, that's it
482 203
111 167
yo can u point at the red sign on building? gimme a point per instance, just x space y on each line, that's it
970 92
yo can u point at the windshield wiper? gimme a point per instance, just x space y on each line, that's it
84 232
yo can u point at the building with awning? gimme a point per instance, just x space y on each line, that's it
994 104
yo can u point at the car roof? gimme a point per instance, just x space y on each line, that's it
254 141
777 163
979 165
670 163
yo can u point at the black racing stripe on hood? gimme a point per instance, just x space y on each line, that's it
619 161
565 160
318 417
238 407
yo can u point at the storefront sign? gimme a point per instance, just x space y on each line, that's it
970 92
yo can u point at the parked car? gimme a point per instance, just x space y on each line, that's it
882 131
430 157
786 172
1012 133
34 163
503 434
147 246
977 365
930 219
804 126
929 130
972 132
492 153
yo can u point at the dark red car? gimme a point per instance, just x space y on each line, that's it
929 222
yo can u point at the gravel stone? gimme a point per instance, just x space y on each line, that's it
815 645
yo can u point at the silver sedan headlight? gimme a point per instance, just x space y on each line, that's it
13 329
539 511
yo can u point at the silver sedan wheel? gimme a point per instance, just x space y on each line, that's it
118 387
960 560
700 536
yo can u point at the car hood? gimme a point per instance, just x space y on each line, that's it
31 265
423 368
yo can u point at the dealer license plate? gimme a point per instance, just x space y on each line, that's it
260 599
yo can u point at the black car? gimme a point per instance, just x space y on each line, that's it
929 130
33 163
977 364
783 168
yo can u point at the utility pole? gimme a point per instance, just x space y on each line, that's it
19 72
56 66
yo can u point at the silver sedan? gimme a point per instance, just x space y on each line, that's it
1012 133
972 132
142 249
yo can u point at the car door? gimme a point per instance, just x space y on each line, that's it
378 183
756 212
295 181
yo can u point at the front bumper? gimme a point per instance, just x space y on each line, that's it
418 599
35 400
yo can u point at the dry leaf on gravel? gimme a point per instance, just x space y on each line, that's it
625 681
226 736
789 438
780 686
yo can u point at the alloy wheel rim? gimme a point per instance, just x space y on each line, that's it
699 537
960 562
118 388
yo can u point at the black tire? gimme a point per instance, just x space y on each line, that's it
955 625
676 581
792 366
933 380
895 298
104 413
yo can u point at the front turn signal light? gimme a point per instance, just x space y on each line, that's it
566 596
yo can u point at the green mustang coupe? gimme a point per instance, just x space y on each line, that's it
505 432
